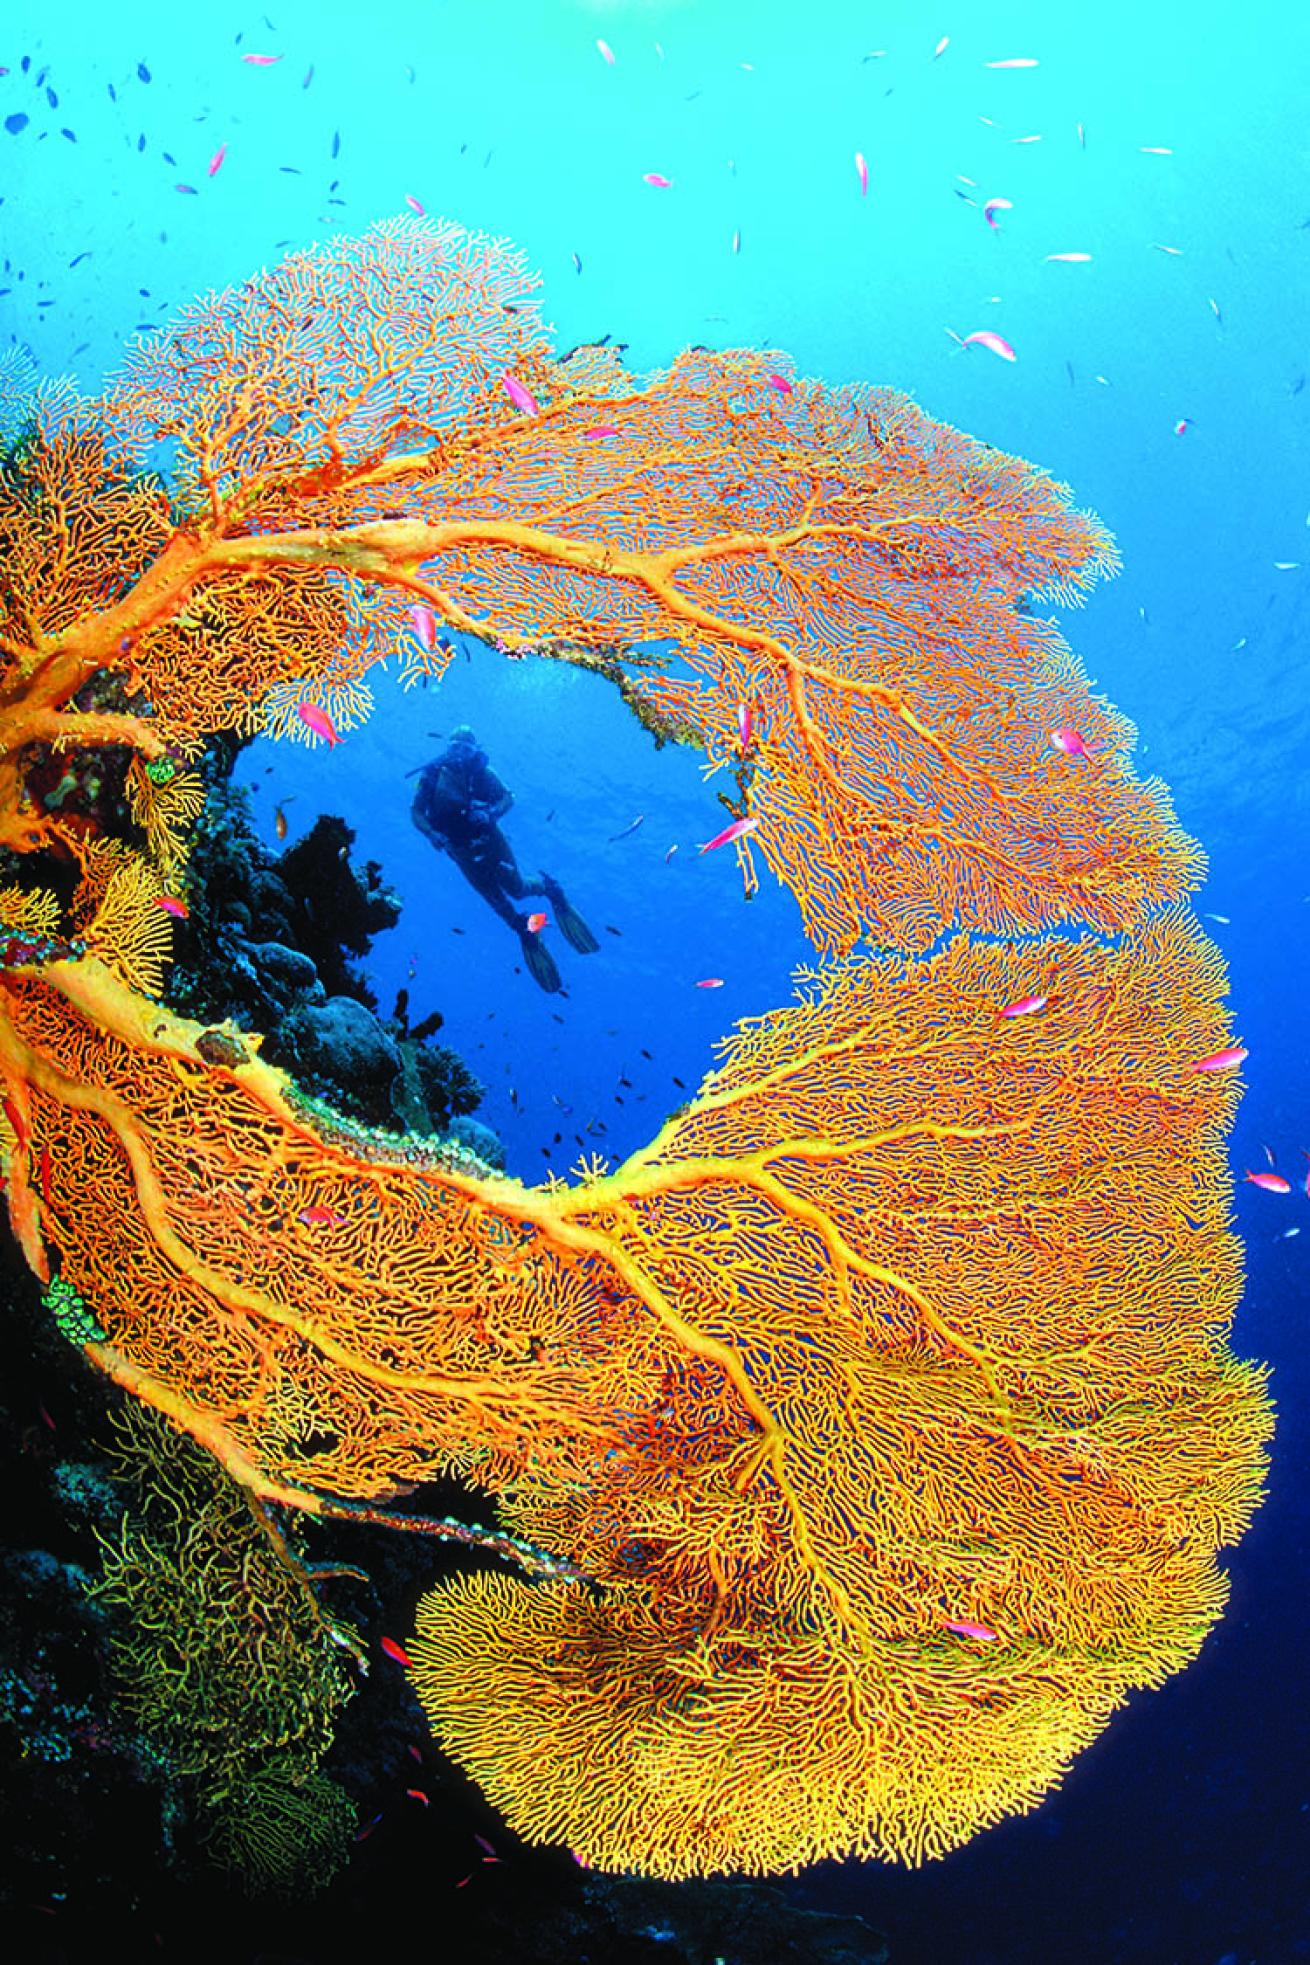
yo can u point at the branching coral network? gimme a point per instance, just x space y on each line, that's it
870 1434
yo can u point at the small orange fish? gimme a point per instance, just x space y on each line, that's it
316 718
417 1794
1024 1006
172 905
737 830
520 397
997 343
1222 1060
280 823
1271 1183
17 1123
395 1651
536 922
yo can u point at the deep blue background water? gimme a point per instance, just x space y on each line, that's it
1184 1834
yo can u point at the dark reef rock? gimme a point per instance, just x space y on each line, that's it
338 1045
269 947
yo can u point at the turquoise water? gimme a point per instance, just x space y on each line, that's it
1182 1835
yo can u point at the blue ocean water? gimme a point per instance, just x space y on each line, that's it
1163 378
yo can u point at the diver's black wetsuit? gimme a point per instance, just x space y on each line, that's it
457 803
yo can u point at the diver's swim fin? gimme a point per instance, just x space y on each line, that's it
567 919
541 963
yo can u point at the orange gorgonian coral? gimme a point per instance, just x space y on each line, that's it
872 1431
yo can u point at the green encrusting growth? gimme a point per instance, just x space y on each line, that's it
226 1663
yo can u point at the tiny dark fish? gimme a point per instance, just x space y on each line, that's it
1068 369
646 1054
71 135
52 98
140 144
142 72
336 143
612 931
16 123
459 931
613 840
558 1018
113 92
678 1082
309 76
291 170
627 1082
577 264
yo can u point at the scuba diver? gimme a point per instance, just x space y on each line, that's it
457 803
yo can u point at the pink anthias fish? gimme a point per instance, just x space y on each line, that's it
261 61
415 206
520 397
316 718
862 172
1306 1156
986 338
1069 258
1183 424
425 626
1271 1183
737 830
601 430
1025 1006
216 160
965 1627
1015 61
606 52
780 383
745 724
1070 741
711 982
656 178
172 905
1226 1060
996 205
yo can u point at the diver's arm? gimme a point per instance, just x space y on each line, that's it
426 825
494 797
